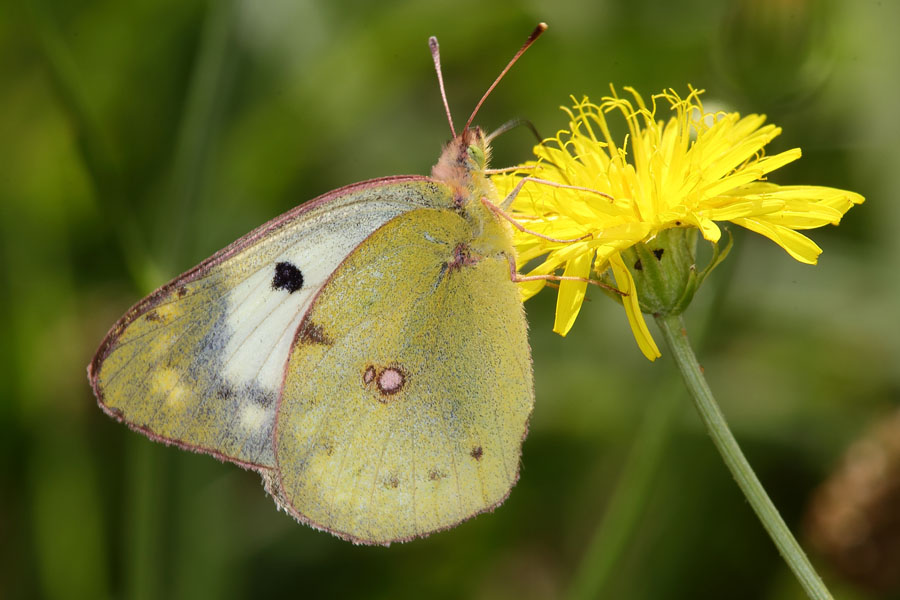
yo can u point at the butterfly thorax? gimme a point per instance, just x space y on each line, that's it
462 167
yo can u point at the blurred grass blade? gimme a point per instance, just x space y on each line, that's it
201 121
144 524
69 532
630 497
93 145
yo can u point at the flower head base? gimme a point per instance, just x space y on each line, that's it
692 170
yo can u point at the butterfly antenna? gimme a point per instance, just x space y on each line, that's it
436 57
541 28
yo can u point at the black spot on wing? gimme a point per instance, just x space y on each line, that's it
287 277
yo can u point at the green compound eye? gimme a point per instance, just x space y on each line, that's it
476 153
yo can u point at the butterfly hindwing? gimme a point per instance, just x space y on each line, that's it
408 391
200 362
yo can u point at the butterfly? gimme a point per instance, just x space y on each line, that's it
365 352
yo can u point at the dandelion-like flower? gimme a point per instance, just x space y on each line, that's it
691 170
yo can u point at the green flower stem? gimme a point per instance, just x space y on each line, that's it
672 327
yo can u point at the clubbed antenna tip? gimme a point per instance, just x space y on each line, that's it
541 28
436 57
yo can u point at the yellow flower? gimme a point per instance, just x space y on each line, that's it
691 170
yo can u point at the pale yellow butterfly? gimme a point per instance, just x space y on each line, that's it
366 352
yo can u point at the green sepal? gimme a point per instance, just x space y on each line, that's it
665 271
719 255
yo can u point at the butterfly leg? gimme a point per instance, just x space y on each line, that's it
505 215
516 278
507 202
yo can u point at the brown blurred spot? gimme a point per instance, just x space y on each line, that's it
853 519
310 333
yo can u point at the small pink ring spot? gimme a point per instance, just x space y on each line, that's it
391 381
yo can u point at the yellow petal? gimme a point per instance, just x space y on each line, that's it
571 293
797 216
808 195
734 207
709 229
796 244
772 163
528 289
625 283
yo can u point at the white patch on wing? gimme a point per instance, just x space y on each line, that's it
262 320
252 416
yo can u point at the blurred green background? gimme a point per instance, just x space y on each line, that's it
139 137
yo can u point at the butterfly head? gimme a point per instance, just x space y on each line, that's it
464 159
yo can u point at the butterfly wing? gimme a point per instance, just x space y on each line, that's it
199 363
408 391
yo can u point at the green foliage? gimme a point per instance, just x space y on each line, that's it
140 137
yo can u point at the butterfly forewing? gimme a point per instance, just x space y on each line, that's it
200 362
408 391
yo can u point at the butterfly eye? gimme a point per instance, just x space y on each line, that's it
476 154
